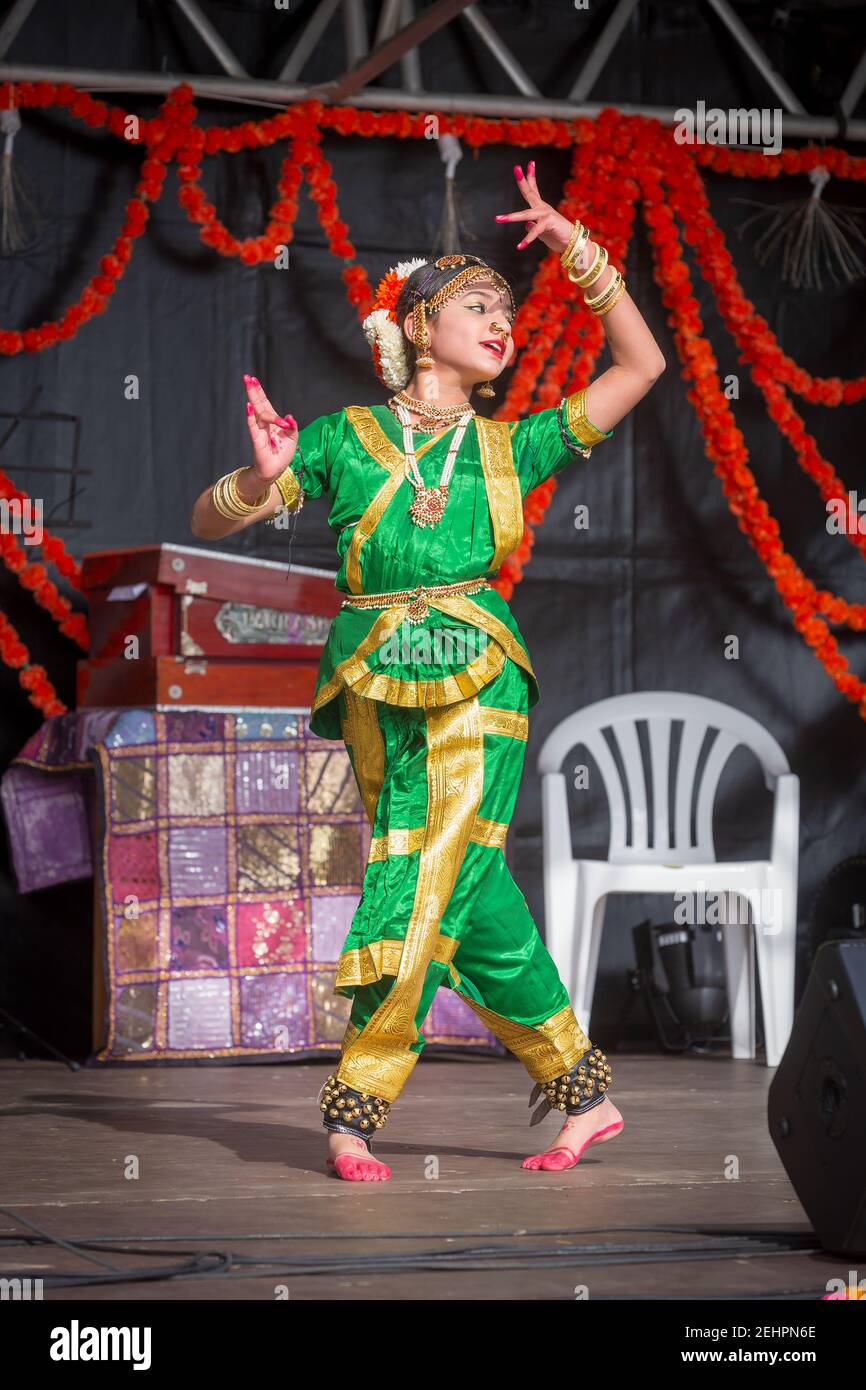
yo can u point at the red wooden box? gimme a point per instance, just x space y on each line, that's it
178 600
180 681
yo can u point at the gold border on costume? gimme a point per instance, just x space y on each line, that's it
578 421
380 1060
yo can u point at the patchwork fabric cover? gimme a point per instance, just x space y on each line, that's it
229 853
47 794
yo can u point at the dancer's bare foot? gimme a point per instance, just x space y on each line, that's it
596 1126
350 1159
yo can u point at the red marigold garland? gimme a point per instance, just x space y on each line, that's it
725 444
597 194
33 678
754 336
52 547
34 576
768 364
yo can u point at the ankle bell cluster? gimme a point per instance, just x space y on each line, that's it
578 1090
347 1111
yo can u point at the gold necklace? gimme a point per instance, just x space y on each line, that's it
436 414
421 429
441 412
429 504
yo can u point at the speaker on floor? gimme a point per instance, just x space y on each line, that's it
817 1098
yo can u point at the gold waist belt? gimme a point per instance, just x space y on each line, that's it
416 598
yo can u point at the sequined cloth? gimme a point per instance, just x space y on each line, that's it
229 864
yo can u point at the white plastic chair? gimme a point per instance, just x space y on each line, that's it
575 890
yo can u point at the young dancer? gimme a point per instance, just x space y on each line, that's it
425 675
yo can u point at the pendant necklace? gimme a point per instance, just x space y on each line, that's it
429 504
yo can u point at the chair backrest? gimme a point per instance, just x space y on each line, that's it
629 788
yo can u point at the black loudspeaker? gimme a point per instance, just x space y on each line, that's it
817 1099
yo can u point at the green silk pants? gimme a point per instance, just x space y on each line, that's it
439 905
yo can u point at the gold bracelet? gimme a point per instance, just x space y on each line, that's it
606 308
228 501
595 271
219 500
576 243
572 266
602 297
607 293
605 299
575 233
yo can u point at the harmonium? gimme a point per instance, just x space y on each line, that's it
172 625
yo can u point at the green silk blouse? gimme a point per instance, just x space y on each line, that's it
355 457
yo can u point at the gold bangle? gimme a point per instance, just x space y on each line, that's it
219 501
241 501
596 270
572 265
570 243
607 293
592 302
576 242
606 308
575 233
223 501
605 298
228 500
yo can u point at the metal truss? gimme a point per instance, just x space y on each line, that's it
401 29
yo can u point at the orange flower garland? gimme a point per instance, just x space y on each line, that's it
553 306
34 679
755 337
768 364
34 576
52 547
725 445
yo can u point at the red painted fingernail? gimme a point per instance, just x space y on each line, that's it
518 172
520 245
249 409
532 166
247 376
255 381
500 216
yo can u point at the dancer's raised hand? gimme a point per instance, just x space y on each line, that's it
274 437
542 219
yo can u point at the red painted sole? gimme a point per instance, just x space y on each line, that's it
355 1158
600 1136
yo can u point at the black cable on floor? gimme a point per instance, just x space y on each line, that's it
220 1264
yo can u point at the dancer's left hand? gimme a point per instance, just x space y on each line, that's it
542 220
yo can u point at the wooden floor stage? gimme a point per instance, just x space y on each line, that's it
225 1155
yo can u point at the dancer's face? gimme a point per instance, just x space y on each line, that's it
461 327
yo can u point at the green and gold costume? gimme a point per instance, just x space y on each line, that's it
431 696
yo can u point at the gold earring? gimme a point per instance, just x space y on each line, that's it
421 337
487 389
